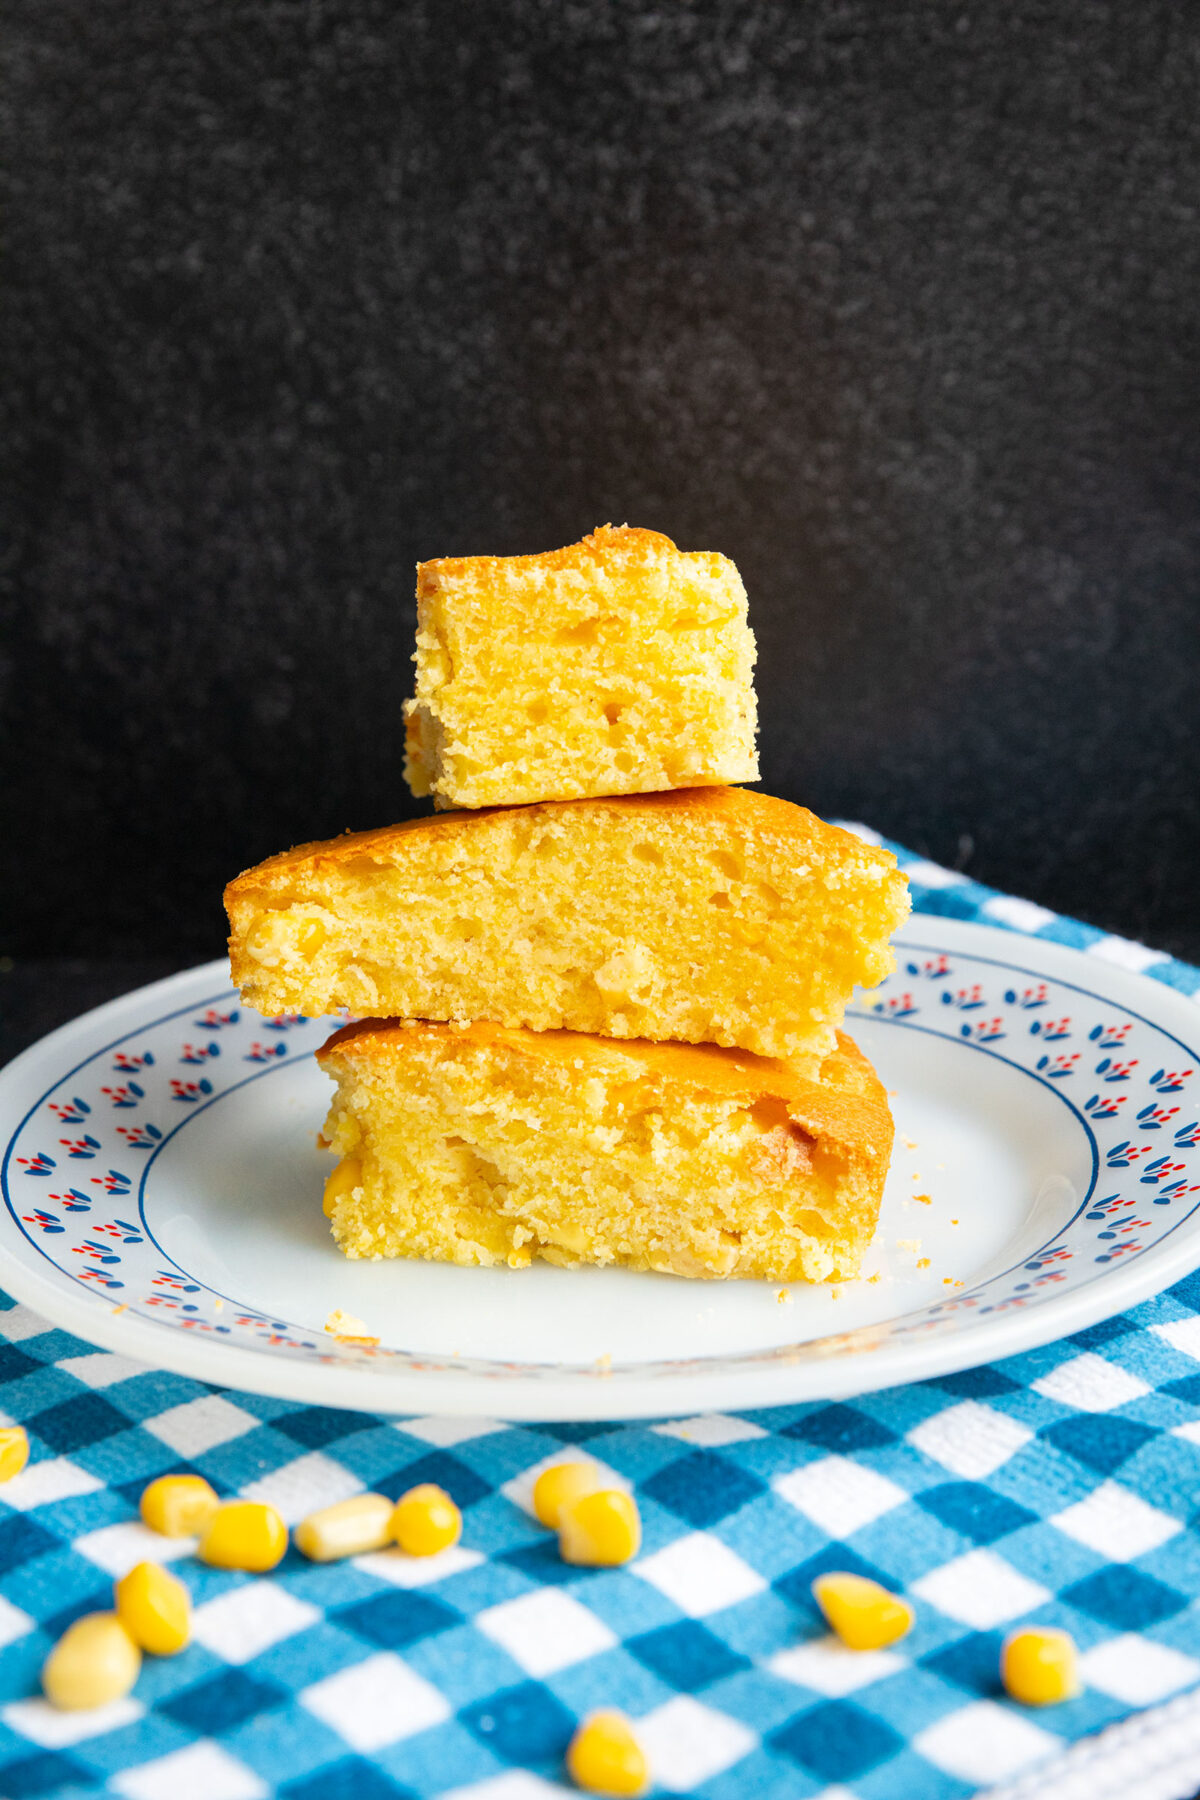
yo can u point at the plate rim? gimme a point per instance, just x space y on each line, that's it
614 1394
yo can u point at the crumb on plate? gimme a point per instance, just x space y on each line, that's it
347 1329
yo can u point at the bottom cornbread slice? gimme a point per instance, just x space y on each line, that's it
489 1144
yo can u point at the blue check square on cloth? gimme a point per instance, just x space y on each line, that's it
1057 1487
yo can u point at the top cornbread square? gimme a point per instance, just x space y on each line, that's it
619 665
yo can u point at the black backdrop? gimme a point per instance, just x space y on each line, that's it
895 304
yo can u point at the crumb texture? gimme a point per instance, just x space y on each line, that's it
487 1145
711 915
619 665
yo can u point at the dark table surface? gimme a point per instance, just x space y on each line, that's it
38 995
894 305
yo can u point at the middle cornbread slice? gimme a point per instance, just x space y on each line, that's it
707 915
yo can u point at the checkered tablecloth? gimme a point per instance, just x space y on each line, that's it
1057 1487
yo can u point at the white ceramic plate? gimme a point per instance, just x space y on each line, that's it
161 1187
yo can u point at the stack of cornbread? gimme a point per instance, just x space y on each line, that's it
599 1005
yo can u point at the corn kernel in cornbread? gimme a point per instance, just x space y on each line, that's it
482 1144
619 665
712 915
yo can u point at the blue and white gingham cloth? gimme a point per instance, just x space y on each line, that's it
1058 1487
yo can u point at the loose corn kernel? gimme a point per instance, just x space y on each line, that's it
1038 1666
347 1529
345 1178
244 1534
426 1520
600 1530
93 1662
863 1614
561 1485
310 937
605 1757
155 1609
179 1505
14 1451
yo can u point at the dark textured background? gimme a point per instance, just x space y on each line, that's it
894 304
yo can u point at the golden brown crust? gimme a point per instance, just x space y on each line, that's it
602 544
781 821
845 1103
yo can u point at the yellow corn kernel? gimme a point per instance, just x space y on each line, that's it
345 1178
561 1486
94 1661
178 1505
310 937
426 1520
14 1451
600 1530
268 937
348 1529
155 1609
279 934
863 1614
244 1534
605 1757
1038 1666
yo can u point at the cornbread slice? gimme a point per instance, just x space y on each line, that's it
482 1144
619 665
710 915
